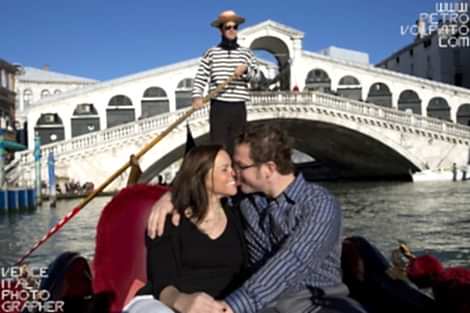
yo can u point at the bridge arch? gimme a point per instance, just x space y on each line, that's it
379 93
280 51
350 87
357 154
154 101
183 93
439 108
463 114
318 80
50 128
85 119
409 100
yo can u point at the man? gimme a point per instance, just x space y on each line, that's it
227 116
292 229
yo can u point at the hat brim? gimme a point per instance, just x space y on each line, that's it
219 22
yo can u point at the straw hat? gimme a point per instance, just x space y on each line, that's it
227 16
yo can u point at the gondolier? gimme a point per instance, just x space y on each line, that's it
227 116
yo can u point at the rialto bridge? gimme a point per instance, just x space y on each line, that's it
369 121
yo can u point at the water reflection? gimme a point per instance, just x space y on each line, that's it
429 217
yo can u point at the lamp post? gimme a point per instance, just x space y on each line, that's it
2 158
52 178
37 166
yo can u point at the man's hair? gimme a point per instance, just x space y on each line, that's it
189 187
268 143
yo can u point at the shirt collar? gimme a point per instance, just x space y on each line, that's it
290 194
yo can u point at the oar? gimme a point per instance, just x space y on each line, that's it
54 229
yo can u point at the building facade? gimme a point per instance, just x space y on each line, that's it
440 51
7 95
8 142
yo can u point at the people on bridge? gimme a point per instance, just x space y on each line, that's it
292 230
227 116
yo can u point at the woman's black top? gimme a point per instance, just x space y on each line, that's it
188 259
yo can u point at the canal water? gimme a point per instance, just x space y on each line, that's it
429 217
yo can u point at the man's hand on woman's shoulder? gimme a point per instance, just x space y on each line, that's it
158 214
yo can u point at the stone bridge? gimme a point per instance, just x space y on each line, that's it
362 139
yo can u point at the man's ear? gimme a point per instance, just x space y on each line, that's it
271 168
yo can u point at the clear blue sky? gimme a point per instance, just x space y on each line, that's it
105 39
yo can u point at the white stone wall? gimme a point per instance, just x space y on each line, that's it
99 95
37 87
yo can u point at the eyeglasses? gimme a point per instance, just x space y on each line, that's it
229 27
240 167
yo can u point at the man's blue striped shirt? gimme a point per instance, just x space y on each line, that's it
293 241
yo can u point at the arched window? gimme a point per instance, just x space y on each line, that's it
318 80
350 87
183 93
85 119
50 128
349 81
120 100
85 109
57 92
409 101
439 108
154 101
27 97
45 93
463 114
120 111
380 94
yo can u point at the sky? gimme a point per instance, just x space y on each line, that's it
106 39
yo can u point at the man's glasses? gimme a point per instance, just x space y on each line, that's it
239 167
229 27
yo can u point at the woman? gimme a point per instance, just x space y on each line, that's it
202 259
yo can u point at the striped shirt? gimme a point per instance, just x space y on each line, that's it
293 241
217 65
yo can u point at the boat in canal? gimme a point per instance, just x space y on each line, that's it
444 175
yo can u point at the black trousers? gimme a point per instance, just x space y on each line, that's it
226 120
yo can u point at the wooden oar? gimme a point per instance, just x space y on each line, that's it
54 229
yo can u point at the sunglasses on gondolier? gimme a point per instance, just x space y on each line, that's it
230 27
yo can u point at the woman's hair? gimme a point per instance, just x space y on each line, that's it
189 187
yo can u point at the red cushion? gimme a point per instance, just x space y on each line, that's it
119 264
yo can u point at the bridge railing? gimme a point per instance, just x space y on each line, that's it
107 136
362 108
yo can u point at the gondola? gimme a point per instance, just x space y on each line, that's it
117 271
